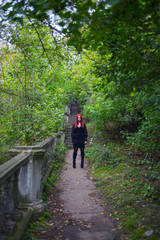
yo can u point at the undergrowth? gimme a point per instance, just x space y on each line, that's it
129 187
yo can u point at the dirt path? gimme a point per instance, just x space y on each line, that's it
81 202
80 198
77 212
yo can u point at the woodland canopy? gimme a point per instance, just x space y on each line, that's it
106 53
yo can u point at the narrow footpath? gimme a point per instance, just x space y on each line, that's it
77 212
81 198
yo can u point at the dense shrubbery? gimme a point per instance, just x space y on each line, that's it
134 115
139 124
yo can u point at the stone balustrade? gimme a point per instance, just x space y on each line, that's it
21 180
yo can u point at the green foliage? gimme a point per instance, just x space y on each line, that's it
115 78
36 226
149 190
116 75
49 184
135 111
33 90
155 175
60 150
101 155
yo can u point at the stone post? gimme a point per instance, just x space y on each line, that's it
16 214
36 175
30 177
8 206
24 181
2 218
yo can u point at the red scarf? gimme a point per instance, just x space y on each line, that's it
76 123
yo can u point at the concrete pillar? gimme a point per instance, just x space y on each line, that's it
30 177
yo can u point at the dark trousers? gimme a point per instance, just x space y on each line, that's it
75 155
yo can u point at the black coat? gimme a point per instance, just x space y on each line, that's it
79 136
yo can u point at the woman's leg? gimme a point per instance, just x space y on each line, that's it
82 157
74 157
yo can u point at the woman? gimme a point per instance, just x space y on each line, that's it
79 138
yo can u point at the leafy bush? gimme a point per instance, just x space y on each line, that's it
102 155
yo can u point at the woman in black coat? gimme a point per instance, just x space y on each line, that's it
79 138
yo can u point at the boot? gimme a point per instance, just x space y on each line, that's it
82 162
82 159
74 163
74 159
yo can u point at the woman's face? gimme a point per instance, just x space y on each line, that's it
79 118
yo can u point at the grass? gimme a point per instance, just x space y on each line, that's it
129 190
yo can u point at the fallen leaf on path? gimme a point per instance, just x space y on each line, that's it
50 224
103 212
88 226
